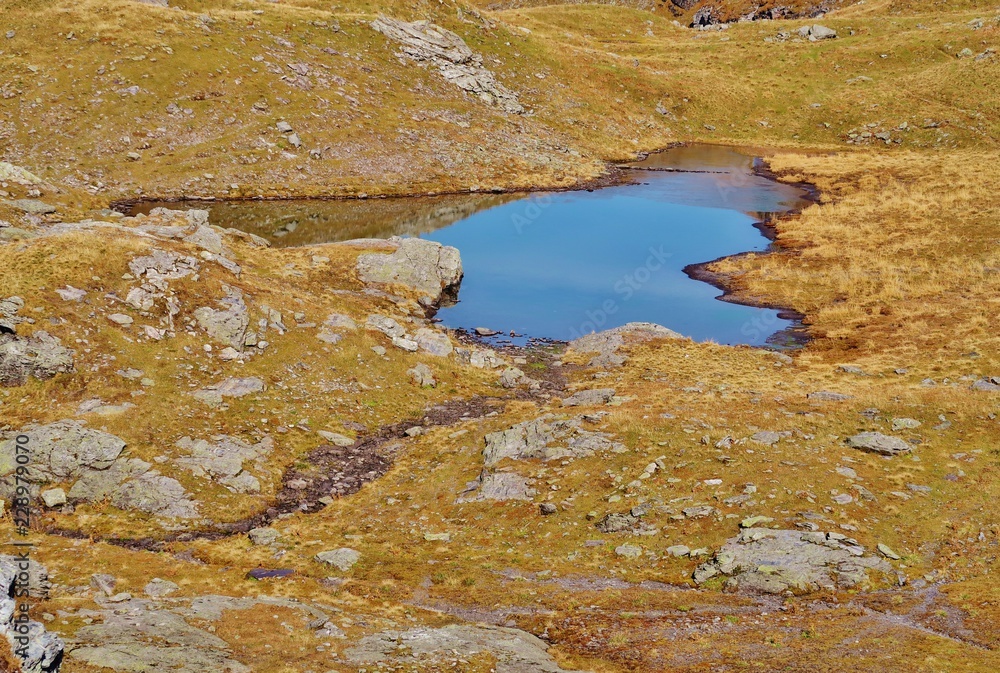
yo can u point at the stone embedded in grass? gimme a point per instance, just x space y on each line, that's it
629 551
617 523
40 356
886 551
228 324
158 588
385 325
905 424
589 397
335 438
263 536
766 437
433 342
104 583
497 486
828 396
607 343
876 442
437 537
678 550
547 438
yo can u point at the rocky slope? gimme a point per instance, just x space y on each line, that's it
244 458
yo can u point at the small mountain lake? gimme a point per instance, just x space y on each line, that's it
562 264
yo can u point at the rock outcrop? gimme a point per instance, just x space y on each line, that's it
607 343
425 42
91 460
776 561
429 268
515 651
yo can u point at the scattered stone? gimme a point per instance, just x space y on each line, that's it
335 438
41 356
104 583
678 550
617 523
228 324
385 325
437 537
547 508
876 442
755 521
433 342
485 331
514 651
408 345
766 437
343 559
70 293
54 497
121 319
498 487
422 375
991 384
223 460
32 206
905 424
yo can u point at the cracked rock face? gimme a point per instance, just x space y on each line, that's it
432 269
44 651
607 343
516 651
776 561
425 42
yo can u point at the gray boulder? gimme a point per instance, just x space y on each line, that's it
876 442
222 460
32 206
155 494
431 269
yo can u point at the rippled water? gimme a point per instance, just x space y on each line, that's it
558 265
